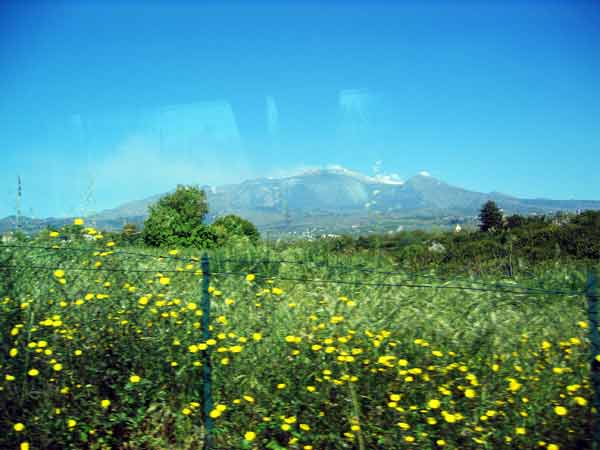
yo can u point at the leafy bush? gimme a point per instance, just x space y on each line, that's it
525 240
588 218
176 220
231 226
131 235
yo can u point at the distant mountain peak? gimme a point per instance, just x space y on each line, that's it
392 179
424 178
389 179
331 196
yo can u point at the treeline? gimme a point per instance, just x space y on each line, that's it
502 244
176 220
519 241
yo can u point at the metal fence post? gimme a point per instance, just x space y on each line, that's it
207 402
592 295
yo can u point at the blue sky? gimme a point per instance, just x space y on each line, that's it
105 102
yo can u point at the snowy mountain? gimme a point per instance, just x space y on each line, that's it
329 197
339 191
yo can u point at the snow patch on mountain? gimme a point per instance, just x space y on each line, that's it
393 179
389 179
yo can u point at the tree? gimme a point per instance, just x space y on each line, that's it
588 218
130 229
176 220
490 217
231 225
130 234
515 221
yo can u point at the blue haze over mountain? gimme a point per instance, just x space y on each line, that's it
339 191
332 200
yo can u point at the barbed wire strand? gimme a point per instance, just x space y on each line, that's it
410 285
255 263
394 273
99 269
102 250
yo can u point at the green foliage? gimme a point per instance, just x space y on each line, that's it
103 326
515 221
130 229
176 220
232 226
587 219
131 235
526 240
490 217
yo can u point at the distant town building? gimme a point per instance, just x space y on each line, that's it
8 237
436 247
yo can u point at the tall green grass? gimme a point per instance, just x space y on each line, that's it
297 364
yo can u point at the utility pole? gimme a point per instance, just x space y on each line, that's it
286 208
287 218
90 200
89 197
18 204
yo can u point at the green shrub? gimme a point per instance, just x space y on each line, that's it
176 220
232 226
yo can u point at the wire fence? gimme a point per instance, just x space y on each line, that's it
83 272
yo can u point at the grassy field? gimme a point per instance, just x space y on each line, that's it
104 350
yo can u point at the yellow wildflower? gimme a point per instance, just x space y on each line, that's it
135 378
560 410
433 404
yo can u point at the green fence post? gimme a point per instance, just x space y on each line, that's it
207 402
592 295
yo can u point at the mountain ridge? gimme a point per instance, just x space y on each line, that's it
325 197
